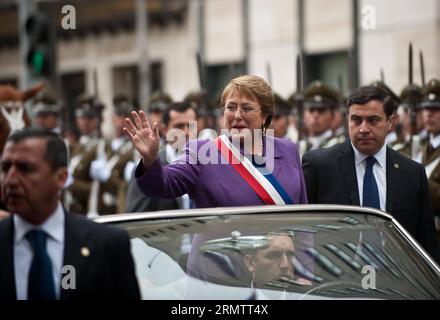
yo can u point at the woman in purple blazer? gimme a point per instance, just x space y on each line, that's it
244 166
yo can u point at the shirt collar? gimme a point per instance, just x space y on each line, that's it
53 225
85 139
435 141
118 142
318 139
339 131
381 155
391 137
423 134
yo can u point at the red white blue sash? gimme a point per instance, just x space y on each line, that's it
268 189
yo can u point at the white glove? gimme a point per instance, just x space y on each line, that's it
99 170
69 180
128 170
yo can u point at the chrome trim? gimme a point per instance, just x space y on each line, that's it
125 217
415 244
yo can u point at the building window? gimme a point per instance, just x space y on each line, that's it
156 76
218 76
126 80
72 85
329 68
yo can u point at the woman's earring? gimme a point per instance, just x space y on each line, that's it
262 139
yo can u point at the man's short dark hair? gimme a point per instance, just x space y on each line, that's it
365 94
180 107
56 150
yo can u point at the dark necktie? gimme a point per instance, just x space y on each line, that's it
40 282
371 192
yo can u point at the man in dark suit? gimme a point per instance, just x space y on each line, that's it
45 252
365 171
176 123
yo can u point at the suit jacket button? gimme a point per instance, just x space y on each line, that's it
85 252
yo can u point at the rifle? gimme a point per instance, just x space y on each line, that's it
204 106
299 96
93 201
414 139
269 74
422 68
342 105
201 72
382 76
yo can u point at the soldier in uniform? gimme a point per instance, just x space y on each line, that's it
413 142
47 113
280 119
81 195
110 170
159 102
339 119
296 128
394 138
431 151
136 201
177 116
339 123
320 102
199 102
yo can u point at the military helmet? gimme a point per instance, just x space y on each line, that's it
431 95
405 95
294 98
45 103
294 101
282 107
88 106
159 101
381 85
198 100
319 95
122 105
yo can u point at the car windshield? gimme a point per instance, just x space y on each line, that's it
316 255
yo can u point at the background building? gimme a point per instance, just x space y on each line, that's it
103 55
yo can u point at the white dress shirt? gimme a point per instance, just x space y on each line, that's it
434 141
23 254
379 171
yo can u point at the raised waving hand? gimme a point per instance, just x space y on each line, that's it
143 137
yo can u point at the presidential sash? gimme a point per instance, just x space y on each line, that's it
265 185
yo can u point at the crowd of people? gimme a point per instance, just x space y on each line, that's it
372 148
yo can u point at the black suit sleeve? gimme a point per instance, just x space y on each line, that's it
137 201
310 177
125 285
425 227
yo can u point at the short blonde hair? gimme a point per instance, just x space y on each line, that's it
253 87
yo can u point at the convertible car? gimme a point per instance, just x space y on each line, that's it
277 252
